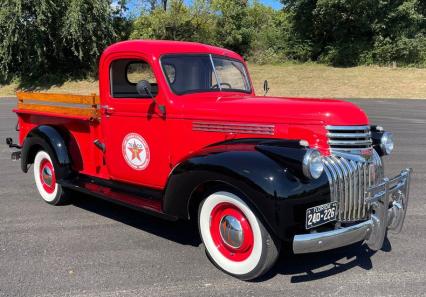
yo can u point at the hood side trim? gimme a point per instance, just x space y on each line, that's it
236 128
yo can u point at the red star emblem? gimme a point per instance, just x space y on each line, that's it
135 150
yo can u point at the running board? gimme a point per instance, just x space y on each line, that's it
138 198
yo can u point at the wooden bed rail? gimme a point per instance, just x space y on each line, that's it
40 103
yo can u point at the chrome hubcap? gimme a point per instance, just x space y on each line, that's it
47 176
231 231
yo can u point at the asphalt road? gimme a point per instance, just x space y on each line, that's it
94 248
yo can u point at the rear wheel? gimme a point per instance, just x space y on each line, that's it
235 239
45 179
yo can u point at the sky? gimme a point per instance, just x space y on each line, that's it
273 3
132 4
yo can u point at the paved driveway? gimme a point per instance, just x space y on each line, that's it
94 248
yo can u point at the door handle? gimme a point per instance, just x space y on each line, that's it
107 109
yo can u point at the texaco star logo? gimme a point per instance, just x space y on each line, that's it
135 151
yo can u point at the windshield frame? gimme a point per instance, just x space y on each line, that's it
210 56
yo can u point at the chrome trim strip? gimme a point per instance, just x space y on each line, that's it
349 135
233 128
349 191
347 128
350 142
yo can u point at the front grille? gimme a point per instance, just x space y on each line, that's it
349 179
349 138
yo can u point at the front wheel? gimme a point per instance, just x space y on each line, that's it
235 239
45 179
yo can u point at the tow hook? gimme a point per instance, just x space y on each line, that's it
15 156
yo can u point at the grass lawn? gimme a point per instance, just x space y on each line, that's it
304 80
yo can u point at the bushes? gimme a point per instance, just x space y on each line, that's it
404 51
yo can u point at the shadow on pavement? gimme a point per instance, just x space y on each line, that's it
311 267
301 268
180 231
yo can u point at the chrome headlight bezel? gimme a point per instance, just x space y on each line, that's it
313 166
387 143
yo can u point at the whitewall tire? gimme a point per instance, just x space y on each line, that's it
235 239
45 179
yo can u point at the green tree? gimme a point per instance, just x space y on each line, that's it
400 33
178 22
266 27
230 30
350 32
87 29
48 37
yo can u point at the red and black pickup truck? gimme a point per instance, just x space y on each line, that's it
177 131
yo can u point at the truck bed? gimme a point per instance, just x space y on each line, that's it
68 105
77 117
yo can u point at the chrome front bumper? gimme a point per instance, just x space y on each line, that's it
388 200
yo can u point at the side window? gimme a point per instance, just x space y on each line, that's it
126 73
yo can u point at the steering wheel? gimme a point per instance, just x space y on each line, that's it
216 86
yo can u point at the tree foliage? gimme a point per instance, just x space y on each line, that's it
177 22
351 32
337 32
48 37
42 37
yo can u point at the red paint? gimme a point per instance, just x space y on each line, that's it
46 164
235 254
223 115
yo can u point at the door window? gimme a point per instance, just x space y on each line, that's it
126 73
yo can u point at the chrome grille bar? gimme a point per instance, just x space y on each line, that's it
349 138
348 128
349 180
350 142
349 135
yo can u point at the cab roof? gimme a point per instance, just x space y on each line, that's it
162 47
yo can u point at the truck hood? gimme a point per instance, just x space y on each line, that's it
278 110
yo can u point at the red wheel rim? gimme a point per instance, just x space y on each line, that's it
233 247
47 176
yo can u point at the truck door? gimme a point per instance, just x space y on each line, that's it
133 129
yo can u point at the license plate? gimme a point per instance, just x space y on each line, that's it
321 214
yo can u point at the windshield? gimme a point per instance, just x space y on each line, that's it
204 73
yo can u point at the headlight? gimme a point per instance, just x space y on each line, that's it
312 164
386 143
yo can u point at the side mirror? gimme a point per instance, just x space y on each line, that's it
265 87
143 88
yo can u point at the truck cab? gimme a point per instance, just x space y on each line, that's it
178 131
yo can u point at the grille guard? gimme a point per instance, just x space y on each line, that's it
388 200
394 192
